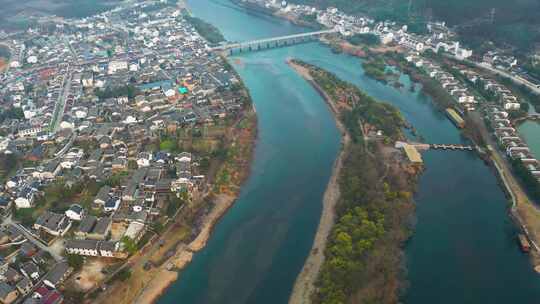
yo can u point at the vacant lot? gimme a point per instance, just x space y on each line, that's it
90 275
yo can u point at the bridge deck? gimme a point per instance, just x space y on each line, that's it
272 39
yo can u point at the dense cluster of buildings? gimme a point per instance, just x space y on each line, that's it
510 141
26 271
502 94
458 90
438 38
90 101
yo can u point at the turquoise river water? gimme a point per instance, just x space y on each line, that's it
530 131
463 249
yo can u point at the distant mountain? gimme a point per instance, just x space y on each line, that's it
13 12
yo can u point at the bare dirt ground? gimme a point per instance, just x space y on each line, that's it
158 279
117 231
3 64
58 246
90 275
170 246
157 286
222 203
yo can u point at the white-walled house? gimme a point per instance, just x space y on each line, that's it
26 198
75 212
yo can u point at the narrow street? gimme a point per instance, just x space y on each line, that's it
7 221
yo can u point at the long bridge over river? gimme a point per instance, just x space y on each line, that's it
274 42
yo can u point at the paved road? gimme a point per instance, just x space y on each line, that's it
71 49
516 79
61 103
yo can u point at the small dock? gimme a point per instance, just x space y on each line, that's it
451 147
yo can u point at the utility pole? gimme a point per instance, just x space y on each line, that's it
492 16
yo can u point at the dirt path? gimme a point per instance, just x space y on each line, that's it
304 285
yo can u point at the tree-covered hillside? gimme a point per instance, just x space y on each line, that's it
13 13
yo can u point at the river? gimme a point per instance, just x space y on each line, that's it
530 131
463 249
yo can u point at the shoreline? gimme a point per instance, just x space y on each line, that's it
320 278
257 8
305 281
165 278
522 211
170 270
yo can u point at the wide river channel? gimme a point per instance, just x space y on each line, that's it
463 249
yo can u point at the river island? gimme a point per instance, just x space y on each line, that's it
367 206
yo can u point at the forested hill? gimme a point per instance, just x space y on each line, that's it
516 21
14 13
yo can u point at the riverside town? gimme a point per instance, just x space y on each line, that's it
261 151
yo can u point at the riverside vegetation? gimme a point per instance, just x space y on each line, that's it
205 29
363 252
380 116
364 39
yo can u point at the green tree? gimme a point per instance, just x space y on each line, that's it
368 39
129 245
75 261
123 275
132 164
